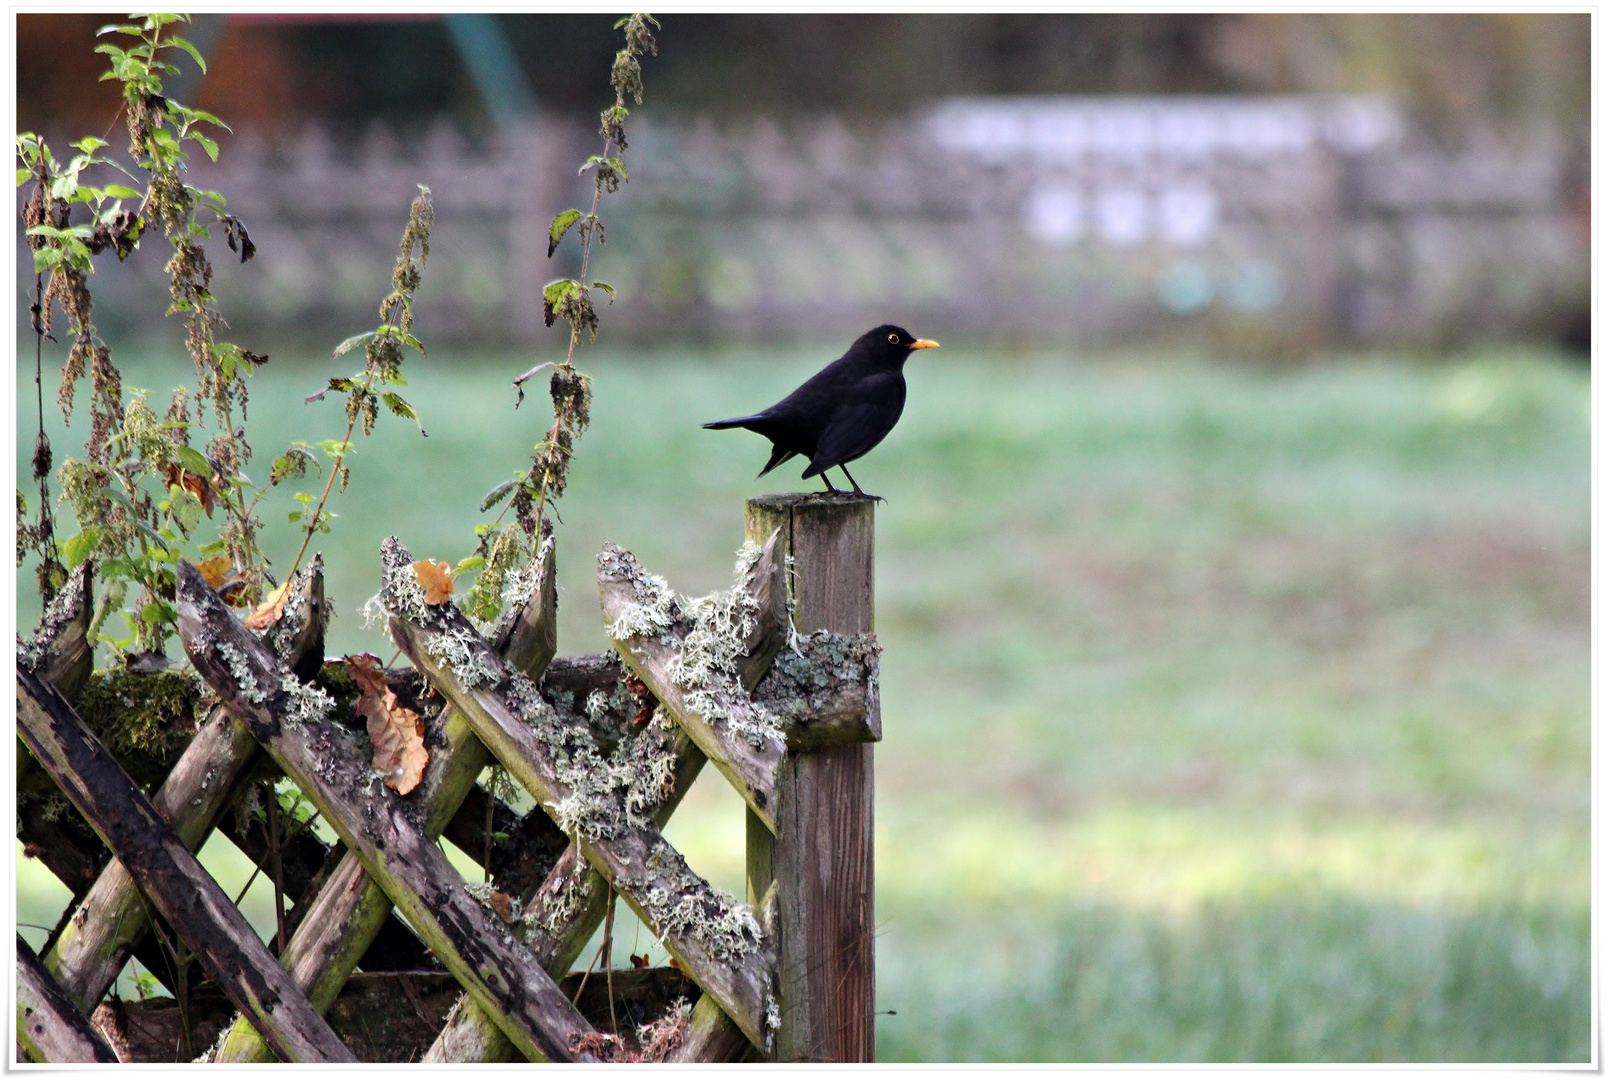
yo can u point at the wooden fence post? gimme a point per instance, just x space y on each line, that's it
821 856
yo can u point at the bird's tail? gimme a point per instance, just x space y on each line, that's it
778 455
739 421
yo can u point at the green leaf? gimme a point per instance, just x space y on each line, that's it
351 343
46 258
89 144
206 144
159 611
395 403
54 233
193 461
195 54
498 494
471 562
152 533
121 191
340 386
606 287
118 28
185 508
293 462
75 549
561 225
23 176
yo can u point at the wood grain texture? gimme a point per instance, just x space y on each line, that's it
822 857
50 1028
165 871
383 830
751 769
350 915
112 918
577 895
644 868
712 1037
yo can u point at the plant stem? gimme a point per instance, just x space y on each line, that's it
277 869
575 339
608 961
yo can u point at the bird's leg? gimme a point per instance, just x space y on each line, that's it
857 491
827 481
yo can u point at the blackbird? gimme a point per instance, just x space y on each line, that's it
842 411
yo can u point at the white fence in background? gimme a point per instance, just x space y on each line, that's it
1290 221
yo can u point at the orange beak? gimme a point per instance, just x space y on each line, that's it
923 343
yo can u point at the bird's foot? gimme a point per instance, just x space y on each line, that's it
866 494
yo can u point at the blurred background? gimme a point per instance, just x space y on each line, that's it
1233 578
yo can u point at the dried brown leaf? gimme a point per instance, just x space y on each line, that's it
395 731
503 905
270 611
436 580
215 570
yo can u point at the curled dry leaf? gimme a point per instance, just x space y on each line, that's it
395 731
436 580
503 905
215 570
270 610
195 484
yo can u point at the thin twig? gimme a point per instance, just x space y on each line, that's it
277 862
608 969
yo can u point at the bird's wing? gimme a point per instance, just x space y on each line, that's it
851 433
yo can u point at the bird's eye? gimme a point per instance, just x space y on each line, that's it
893 339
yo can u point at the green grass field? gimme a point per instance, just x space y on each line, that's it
1232 714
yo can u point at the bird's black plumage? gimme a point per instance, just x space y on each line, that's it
843 410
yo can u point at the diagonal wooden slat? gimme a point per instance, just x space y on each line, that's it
750 765
564 910
712 1037
49 1025
165 870
384 831
112 918
716 941
348 914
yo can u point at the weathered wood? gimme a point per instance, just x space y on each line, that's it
822 690
712 1037
53 831
60 652
49 1025
825 918
385 1017
527 634
355 908
112 918
750 764
716 941
165 871
562 912
384 831
381 1017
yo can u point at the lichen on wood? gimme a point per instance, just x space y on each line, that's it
517 726
705 695
823 689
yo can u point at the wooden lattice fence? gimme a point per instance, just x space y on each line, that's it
773 682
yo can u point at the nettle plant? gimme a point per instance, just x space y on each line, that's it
504 547
147 490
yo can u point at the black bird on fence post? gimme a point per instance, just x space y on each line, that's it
843 410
